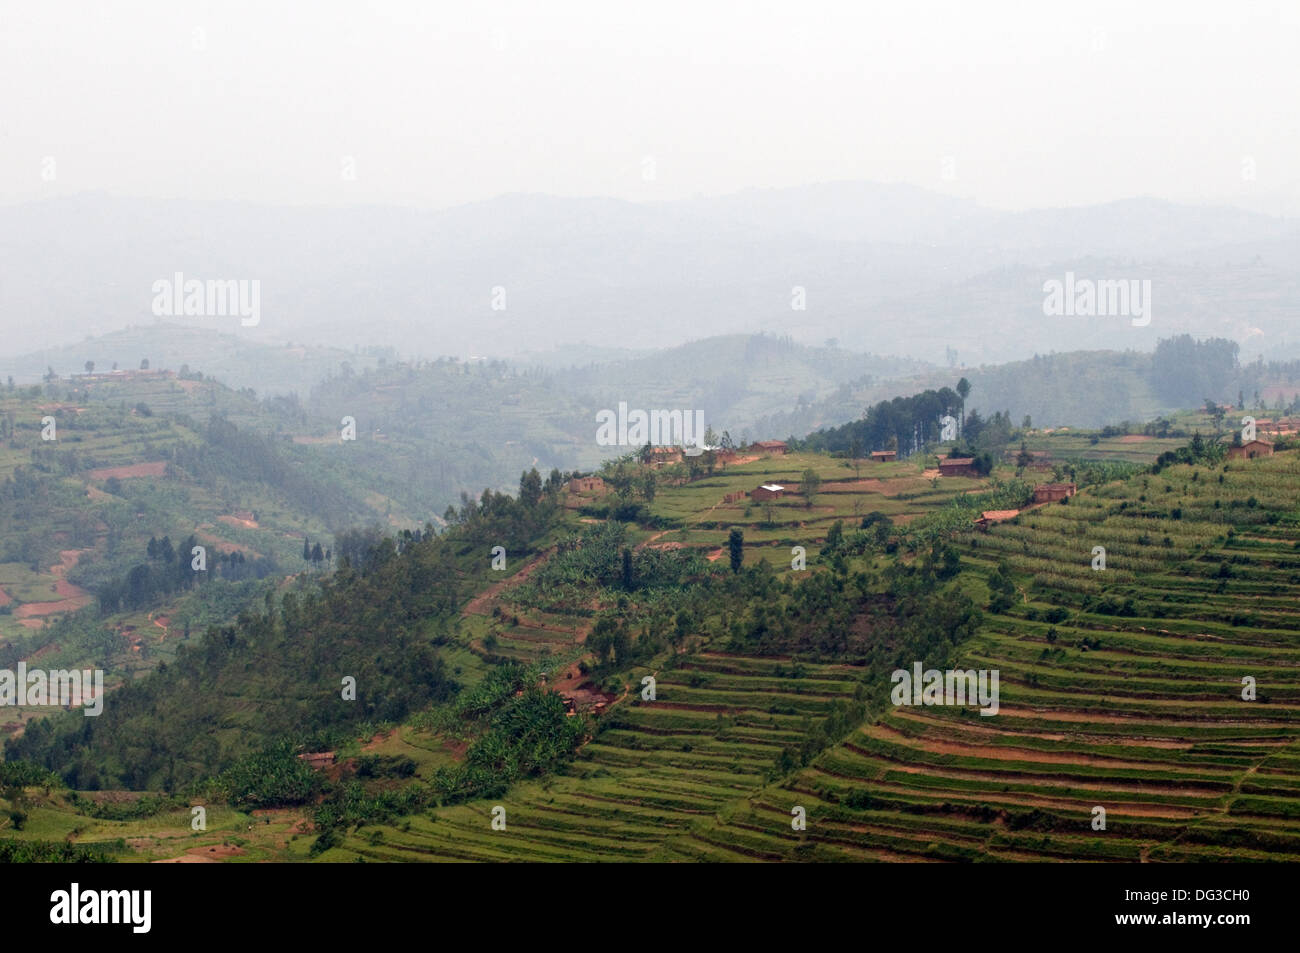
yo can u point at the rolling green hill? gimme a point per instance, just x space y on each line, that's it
720 692
98 523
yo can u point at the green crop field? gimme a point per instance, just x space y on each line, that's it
1132 702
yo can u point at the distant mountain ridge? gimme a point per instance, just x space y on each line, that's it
889 269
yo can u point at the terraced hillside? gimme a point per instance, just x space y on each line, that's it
85 487
768 732
658 774
1120 689
702 513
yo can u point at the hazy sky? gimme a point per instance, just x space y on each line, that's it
1016 105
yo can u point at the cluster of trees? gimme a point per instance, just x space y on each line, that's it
872 535
988 436
1185 371
908 424
352 802
630 482
379 624
379 619
841 719
22 484
616 645
24 774
1198 451
519 736
509 521
598 558
170 569
362 546
847 616
316 555
272 777
905 424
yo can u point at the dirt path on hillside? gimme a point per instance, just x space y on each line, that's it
73 596
646 542
652 543
482 603
237 521
721 502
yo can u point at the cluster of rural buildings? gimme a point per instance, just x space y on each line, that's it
1043 493
661 456
949 466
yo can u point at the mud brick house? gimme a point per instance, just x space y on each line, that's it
1251 450
768 491
591 484
772 446
884 456
958 466
1051 492
665 455
989 517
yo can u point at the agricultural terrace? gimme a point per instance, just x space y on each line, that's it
1120 688
698 515
77 512
649 785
